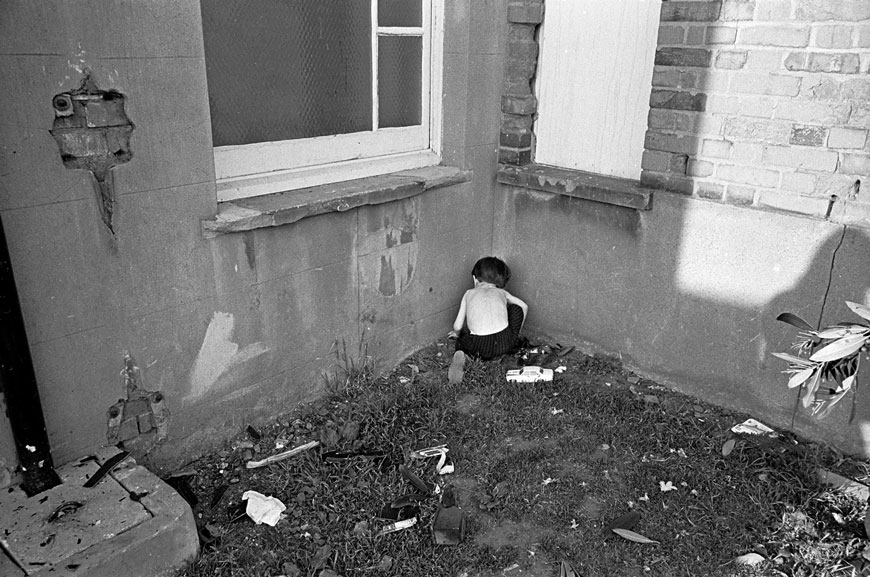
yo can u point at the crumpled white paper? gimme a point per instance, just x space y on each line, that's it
753 427
263 509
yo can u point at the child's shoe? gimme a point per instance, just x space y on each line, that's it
457 368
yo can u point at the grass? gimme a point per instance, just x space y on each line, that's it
541 469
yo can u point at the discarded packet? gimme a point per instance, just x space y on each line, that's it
263 509
753 427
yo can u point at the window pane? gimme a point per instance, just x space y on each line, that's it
400 13
280 70
399 80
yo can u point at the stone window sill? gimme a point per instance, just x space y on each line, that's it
578 184
291 206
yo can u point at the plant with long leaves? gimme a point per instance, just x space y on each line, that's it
827 361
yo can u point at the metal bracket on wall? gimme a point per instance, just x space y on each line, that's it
93 132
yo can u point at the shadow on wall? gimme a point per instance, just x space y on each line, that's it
747 110
841 263
690 293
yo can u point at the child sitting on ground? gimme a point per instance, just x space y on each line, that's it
489 319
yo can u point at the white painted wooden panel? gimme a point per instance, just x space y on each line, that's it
593 84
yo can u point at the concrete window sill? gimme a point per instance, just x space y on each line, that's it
291 206
579 184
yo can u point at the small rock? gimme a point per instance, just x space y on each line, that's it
291 570
386 563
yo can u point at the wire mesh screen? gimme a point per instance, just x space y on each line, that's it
400 13
282 70
400 69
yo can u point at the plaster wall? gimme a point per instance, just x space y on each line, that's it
689 291
233 329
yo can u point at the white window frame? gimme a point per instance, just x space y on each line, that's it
248 170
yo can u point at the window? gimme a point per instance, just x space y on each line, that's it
306 92
593 84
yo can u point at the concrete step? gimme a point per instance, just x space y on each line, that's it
131 523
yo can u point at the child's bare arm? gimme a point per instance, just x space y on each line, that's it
511 299
460 320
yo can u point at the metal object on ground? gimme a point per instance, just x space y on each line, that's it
448 527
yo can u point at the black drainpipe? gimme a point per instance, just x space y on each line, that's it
18 385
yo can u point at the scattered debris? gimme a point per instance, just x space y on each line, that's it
281 456
263 509
254 433
429 452
753 427
398 526
418 483
666 486
448 527
560 369
440 451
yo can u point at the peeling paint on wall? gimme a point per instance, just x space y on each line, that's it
389 248
396 270
218 355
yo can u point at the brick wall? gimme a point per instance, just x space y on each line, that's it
518 103
762 102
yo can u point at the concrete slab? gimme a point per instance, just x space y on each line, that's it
131 523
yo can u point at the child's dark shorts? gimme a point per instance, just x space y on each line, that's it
488 347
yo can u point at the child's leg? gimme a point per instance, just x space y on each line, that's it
456 372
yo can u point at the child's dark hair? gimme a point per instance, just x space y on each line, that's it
492 269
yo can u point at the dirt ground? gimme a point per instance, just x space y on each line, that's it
541 470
